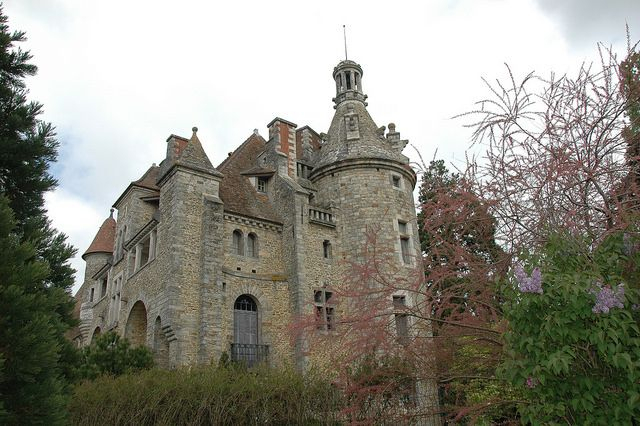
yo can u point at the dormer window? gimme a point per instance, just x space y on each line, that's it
261 184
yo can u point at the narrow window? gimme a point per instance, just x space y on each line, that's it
237 245
324 309
252 245
401 318
405 250
91 295
395 180
144 251
103 288
326 249
262 184
348 77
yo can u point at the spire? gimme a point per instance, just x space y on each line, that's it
348 77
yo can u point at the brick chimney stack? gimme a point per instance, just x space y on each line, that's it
284 133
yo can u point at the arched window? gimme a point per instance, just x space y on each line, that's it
237 243
252 245
246 345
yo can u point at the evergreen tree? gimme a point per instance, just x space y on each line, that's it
35 276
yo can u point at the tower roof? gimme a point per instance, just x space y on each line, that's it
353 134
194 157
103 241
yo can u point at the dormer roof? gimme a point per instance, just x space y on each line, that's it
236 191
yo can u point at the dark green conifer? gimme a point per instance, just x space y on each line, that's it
35 275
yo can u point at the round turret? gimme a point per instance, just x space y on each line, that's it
363 176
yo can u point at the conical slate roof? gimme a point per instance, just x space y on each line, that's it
104 239
367 143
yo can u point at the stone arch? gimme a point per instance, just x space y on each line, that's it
136 328
95 334
264 305
160 345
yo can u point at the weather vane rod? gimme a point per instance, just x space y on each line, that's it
344 33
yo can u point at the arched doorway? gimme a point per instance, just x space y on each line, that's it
136 328
95 334
246 345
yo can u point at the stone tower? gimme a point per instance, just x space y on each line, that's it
362 174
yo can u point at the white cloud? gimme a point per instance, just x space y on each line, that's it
116 78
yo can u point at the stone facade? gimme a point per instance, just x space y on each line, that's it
205 260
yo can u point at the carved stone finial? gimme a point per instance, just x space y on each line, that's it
392 127
111 213
194 129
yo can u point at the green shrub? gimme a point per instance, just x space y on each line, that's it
205 396
112 355
573 344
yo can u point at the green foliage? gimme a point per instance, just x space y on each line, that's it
206 396
112 355
35 276
574 365
31 382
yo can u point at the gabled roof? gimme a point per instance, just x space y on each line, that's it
146 181
104 239
236 191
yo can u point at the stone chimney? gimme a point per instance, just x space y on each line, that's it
175 145
283 134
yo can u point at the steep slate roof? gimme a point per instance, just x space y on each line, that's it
370 145
148 179
103 241
236 191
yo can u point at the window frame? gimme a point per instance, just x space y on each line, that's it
324 310
252 245
237 242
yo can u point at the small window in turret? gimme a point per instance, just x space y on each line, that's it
348 76
396 181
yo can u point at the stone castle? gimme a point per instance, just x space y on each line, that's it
204 260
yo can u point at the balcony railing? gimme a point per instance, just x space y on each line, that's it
249 354
322 217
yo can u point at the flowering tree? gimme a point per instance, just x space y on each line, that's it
427 345
555 152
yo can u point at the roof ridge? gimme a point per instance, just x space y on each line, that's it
239 149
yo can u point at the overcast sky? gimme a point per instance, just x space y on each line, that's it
118 77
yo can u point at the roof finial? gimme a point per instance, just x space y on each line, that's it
344 33
111 213
194 129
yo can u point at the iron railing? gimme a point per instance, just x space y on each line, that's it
249 354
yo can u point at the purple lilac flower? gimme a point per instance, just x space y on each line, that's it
526 284
532 382
607 298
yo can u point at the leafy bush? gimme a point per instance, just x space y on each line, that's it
112 355
574 345
205 396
